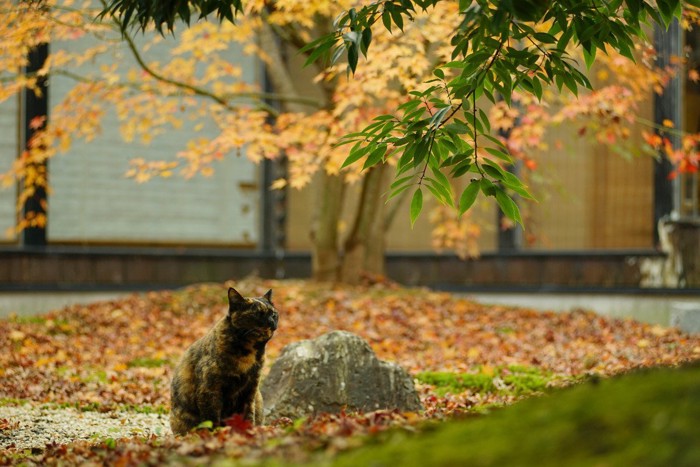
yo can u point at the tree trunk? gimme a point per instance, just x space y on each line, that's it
365 246
325 258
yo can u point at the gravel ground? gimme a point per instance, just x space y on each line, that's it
25 426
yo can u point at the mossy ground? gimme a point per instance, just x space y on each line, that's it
643 418
513 379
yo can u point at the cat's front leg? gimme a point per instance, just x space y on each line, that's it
257 412
210 403
246 406
254 408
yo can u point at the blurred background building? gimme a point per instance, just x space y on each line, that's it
596 228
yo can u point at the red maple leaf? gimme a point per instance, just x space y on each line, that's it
239 424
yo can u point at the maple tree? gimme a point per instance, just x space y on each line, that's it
417 105
497 48
158 97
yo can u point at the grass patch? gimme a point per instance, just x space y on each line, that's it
643 418
87 407
146 409
513 379
11 401
51 326
148 362
96 375
33 319
97 407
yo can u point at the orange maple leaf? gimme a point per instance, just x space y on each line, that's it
37 122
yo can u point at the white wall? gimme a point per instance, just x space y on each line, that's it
93 202
8 153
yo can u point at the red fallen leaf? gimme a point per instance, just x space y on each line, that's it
346 427
549 335
239 424
282 422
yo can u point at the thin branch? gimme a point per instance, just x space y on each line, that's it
272 96
472 94
278 72
427 159
223 100
270 36
476 135
86 79
656 126
164 79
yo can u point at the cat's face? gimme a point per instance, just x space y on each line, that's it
257 317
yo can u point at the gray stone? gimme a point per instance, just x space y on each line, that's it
335 371
680 268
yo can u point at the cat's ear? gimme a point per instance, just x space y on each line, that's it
234 297
268 296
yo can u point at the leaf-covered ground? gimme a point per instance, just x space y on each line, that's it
118 355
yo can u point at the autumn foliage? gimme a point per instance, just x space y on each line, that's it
200 86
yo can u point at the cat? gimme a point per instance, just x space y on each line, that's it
219 375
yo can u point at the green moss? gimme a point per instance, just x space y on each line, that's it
147 409
95 375
644 418
518 380
11 401
87 406
146 362
97 407
33 319
51 326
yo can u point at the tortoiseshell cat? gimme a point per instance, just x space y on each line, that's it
219 375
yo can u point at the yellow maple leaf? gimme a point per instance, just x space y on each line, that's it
16 335
43 361
278 184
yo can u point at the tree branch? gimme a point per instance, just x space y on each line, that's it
277 69
223 100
